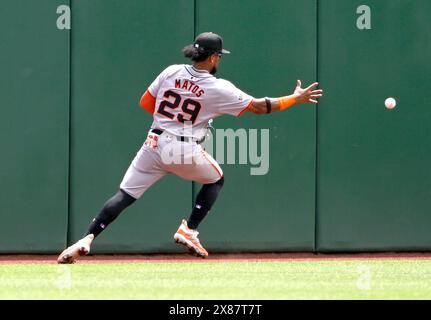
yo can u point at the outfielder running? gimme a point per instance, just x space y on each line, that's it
182 99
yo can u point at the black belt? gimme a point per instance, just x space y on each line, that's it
180 138
157 131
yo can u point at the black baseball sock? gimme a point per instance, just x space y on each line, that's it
110 211
204 201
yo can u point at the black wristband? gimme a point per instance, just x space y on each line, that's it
268 105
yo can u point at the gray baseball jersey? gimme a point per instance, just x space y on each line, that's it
186 98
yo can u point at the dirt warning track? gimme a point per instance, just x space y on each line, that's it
214 257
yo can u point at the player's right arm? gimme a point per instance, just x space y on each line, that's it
299 96
148 102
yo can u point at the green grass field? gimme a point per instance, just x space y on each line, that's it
331 279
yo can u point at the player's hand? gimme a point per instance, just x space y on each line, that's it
308 94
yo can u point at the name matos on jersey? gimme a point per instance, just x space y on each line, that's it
189 85
187 98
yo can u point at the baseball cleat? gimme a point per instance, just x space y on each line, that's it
189 238
80 248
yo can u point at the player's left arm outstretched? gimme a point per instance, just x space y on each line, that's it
299 96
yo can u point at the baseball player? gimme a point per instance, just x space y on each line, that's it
182 100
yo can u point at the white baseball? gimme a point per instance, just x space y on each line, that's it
390 103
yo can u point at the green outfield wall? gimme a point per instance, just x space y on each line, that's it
34 127
347 175
374 178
